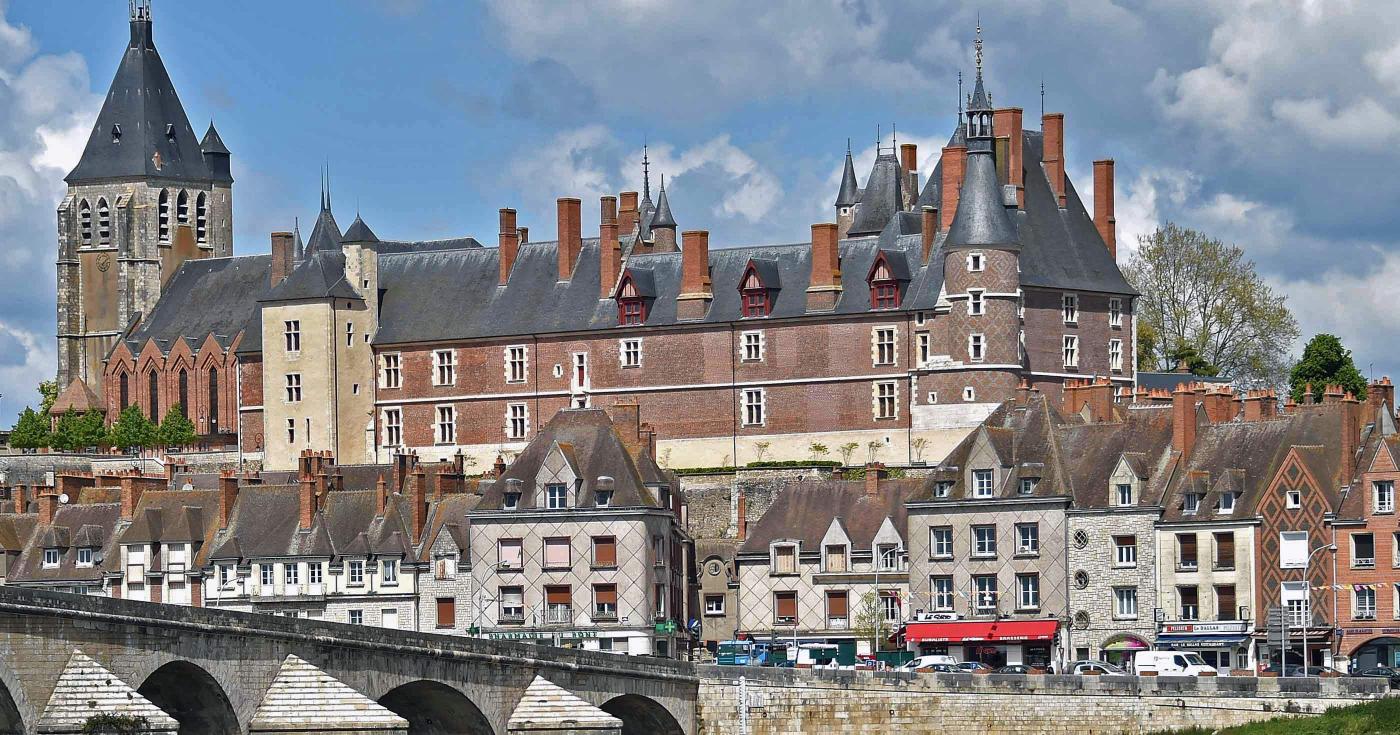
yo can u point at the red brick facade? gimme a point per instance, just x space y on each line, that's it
204 383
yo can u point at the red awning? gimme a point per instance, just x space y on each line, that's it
998 630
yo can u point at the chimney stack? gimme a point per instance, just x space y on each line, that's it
306 499
627 213
1184 420
954 161
419 497
873 470
21 498
570 236
741 513
131 489
824 288
1380 396
524 235
695 295
509 244
1351 432
1104 220
609 250
48 508
1008 120
930 232
1053 156
909 161
627 423
228 496
283 256
381 497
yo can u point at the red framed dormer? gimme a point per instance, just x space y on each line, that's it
635 292
758 288
886 278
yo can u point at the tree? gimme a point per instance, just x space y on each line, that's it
133 430
175 429
1199 293
847 451
874 446
92 429
760 450
48 391
869 620
1183 354
1325 362
919 444
31 431
64 437
818 451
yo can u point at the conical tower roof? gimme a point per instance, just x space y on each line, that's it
849 193
142 130
663 217
883 196
359 232
981 221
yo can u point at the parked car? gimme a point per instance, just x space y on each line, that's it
1101 667
1172 663
1290 670
1382 672
928 662
1322 671
972 667
1014 669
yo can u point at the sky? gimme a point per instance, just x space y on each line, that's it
1271 125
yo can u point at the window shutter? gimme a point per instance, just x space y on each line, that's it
836 604
446 612
605 551
1225 550
787 605
605 594
556 552
557 595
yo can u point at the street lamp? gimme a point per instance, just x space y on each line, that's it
1307 586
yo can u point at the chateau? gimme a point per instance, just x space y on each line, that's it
956 289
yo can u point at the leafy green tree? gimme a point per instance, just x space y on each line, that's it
175 429
1146 347
1197 365
64 437
1201 293
1325 362
92 429
31 431
48 391
133 430
869 621
818 450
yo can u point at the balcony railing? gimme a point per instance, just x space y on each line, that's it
559 615
1360 563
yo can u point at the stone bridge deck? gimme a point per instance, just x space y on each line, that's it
65 657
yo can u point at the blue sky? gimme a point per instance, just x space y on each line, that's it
1272 125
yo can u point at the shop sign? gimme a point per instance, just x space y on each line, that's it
1369 631
525 635
1227 627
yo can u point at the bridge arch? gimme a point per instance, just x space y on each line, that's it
642 716
193 697
434 708
11 722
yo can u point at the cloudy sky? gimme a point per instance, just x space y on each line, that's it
1273 125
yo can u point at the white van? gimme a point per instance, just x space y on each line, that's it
1171 663
929 661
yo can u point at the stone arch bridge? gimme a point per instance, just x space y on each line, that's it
64 658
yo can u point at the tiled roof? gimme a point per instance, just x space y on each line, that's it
805 510
206 296
68 521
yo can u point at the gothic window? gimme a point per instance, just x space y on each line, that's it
125 391
104 223
85 223
185 392
754 296
884 284
631 303
153 397
201 219
213 400
163 215
182 208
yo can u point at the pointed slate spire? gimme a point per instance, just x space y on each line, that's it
216 156
663 217
849 193
359 232
882 197
296 233
548 708
86 688
325 234
338 707
142 129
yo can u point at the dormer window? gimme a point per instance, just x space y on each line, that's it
884 283
663 494
1028 485
942 488
785 559
85 557
755 294
836 558
603 491
982 484
170 131
632 294
51 558
556 496
1227 502
1191 503
1123 494
510 501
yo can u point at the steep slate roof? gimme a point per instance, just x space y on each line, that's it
849 193
663 216
1023 438
881 197
359 232
1142 438
321 275
142 101
69 522
206 296
981 219
77 397
15 530
174 516
805 510
325 234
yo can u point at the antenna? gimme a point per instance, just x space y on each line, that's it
894 136
879 138
1042 98
960 93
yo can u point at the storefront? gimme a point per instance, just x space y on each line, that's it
1225 644
1119 650
993 642
1371 647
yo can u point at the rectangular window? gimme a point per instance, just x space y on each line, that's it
1293 499
630 353
785 560
883 338
714 604
446 425
984 589
50 558
887 557
982 483
517 420
265 575
1383 492
355 617
1027 538
1190 603
509 554
84 557
1190 503
390 574
556 496
1071 352
314 570
444 367
942 593
1115 312
1115 354
984 541
393 427
837 610
886 400
751 345
976 347
1363 551
785 608
516 359
291 335
1125 551
291 574
605 601
941 541
836 558
976 262
1227 502
604 551
1070 306
392 375
889 607
349 334
1123 494
975 303
556 553
1028 591
1027 486
293 387
1364 607
446 612
925 349
1125 602
602 498
356 571
1186 551
1224 550
753 407
1225 602
512 604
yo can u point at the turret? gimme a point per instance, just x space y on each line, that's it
848 197
663 224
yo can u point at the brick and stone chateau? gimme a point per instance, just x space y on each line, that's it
896 329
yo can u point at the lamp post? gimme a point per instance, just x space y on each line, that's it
1307 592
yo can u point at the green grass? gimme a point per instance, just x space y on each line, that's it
1382 716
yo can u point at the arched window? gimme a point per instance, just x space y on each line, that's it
185 392
153 389
163 213
182 208
104 223
85 223
213 400
201 219
125 391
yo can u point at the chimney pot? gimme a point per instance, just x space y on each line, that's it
509 244
1053 124
1104 220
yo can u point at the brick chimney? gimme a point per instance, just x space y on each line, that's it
228 496
627 423
499 468
873 471
954 161
1008 120
381 497
1104 220
1380 395
1053 125
929 231
71 484
627 213
1260 405
418 495
695 295
48 508
909 161
283 256
524 234
1219 404
609 250
741 512
21 498
1351 432
1098 396
131 489
1184 420
570 236
508 244
1023 392
824 288
1333 394
306 499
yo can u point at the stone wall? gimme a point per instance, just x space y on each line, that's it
803 702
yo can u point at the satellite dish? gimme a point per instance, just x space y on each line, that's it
63 498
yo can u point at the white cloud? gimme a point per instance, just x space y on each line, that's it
1357 307
752 190
19 380
1363 123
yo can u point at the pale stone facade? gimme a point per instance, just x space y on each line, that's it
1207 578
1095 618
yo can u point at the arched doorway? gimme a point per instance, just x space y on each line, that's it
193 697
642 716
1119 650
1384 651
433 708
10 721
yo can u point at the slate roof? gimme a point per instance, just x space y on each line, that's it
77 397
156 139
212 143
882 196
1023 439
359 232
321 275
663 216
174 516
849 193
981 220
804 511
325 234
69 522
1142 438
206 296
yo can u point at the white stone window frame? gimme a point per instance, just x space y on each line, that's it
445 425
392 419
976 301
629 352
936 536
778 546
925 348
1028 544
51 559
1115 312
1383 496
291 336
753 345
1070 352
1120 594
989 489
513 356
1069 308
1119 562
444 367
755 405
976 261
884 338
716 610
1028 596
1115 355
969 394
517 414
391 370
884 393
940 600
984 541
